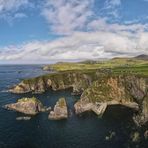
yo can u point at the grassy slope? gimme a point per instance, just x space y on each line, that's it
117 66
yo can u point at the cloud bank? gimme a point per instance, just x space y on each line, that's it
80 46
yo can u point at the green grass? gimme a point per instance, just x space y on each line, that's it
62 102
137 70
123 63
117 66
33 99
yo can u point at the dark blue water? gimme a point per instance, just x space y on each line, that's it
85 131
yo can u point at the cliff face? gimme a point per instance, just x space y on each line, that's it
98 91
130 91
58 81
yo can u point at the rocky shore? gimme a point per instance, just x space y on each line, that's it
78 81
97 91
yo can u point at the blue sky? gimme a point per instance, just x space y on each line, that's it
67 30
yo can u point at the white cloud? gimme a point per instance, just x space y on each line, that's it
112 3
20 15
64 17
73 18
101 24
9 5
9 9
80 46
112 8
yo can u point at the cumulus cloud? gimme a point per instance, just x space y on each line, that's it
65 16
86 36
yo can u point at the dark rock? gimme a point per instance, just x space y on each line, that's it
110 136
146 134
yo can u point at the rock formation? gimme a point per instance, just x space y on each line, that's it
58 81
30 106
60 110
98 90
129 91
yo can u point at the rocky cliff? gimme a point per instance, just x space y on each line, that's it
98 90
60 110
77 80
130 91
30 106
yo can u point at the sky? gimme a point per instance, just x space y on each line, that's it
48 31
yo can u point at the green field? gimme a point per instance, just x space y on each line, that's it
115 66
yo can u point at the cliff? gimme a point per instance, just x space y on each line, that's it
30 106
129 91
60 110
79 81
99 90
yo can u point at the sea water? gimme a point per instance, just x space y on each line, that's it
83 131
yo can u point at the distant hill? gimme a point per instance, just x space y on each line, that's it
141 57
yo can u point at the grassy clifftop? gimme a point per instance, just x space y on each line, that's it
80 75
116 63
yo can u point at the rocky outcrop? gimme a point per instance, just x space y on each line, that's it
79 81
35 85
60 110
129 91
30 106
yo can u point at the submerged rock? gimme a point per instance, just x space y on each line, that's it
135 137
110 136
23 118
60 110
146 134
30 106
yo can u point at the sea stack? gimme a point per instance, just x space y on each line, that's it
30 106
60 110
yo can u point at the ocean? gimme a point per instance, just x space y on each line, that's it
83 131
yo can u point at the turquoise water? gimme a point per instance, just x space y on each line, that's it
85 131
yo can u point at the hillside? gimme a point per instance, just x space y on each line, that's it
142 57
117 65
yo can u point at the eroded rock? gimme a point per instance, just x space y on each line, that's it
60 110
78 81
30 106
129 91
